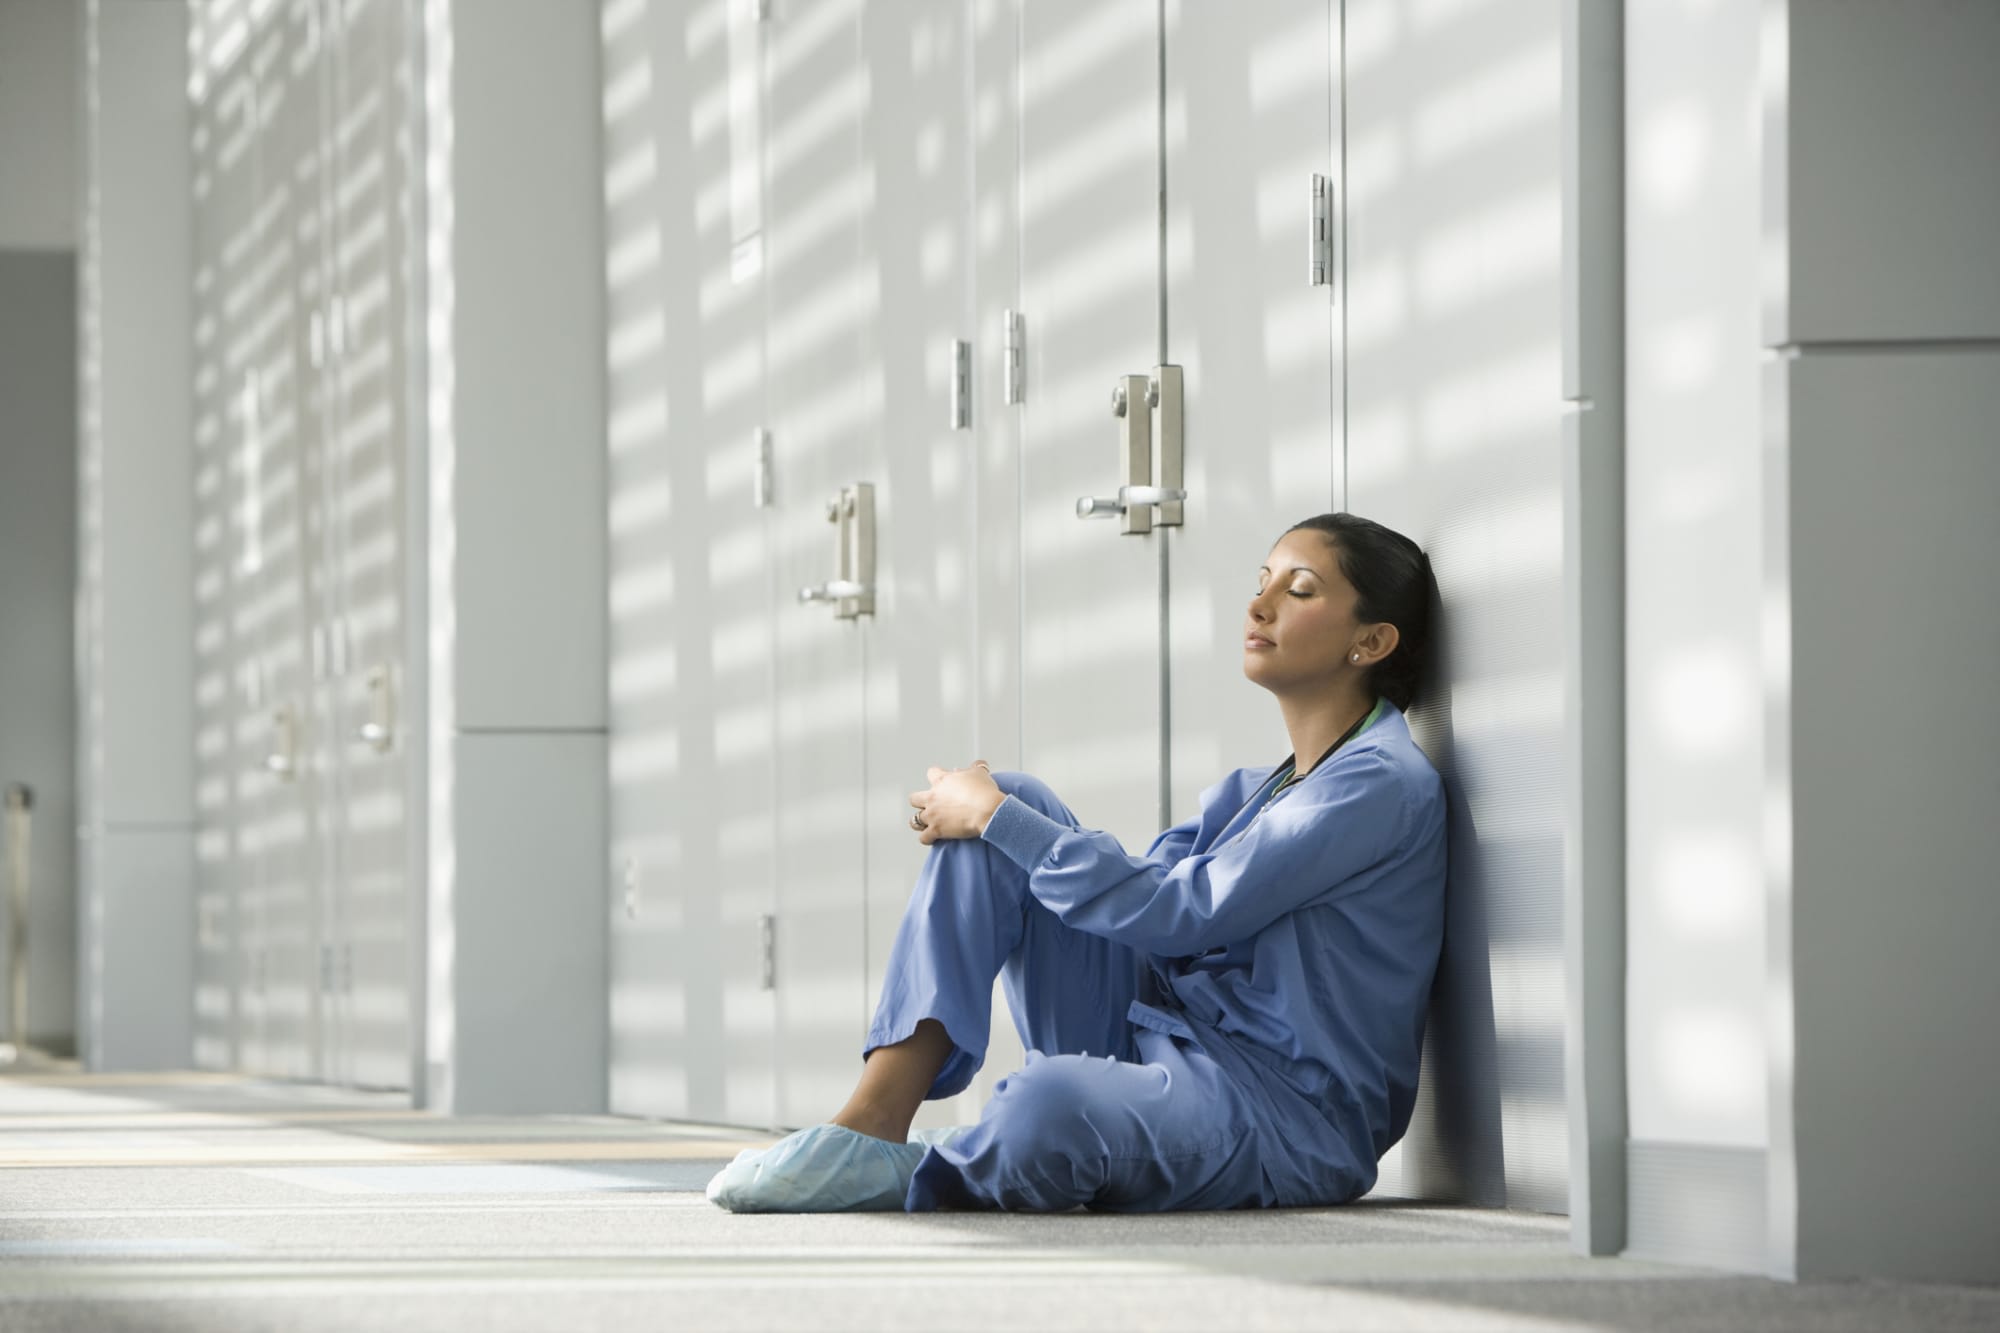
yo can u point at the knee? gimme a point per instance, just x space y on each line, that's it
1052 1103
1034 793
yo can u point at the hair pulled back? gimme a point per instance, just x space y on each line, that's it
1393 585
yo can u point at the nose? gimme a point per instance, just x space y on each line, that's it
1260 607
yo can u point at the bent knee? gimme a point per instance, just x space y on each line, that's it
1033 792
1066 1098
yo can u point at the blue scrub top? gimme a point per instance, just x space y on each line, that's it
1296 945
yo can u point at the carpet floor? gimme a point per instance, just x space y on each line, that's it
233 1205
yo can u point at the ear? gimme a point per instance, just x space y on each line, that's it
1376 643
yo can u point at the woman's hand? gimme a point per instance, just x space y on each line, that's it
958 804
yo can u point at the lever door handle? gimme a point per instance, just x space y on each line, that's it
834 590
285 738
1111 507
1140 504
378 732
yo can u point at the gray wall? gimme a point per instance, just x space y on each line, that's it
39 108
136 544
519 866
38 124
1883 745
37 588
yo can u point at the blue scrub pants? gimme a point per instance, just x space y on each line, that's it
1105 1113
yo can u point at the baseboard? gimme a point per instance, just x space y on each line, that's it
1692 1203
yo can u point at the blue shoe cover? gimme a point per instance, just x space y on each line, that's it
825 1169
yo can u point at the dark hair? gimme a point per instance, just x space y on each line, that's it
1393 584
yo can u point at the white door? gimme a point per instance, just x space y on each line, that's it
692 576
226 728
357 335
1253 120
920 688
1130 667
281 930
825 386
1089 243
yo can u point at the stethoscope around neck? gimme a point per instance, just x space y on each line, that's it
1281 781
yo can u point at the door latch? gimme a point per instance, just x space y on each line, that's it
1142 502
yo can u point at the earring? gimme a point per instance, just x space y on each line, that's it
1355 658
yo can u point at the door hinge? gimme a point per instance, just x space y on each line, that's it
961 384
761 479
1013 353
767 933
1320 257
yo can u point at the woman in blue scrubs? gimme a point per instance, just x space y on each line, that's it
1232 1020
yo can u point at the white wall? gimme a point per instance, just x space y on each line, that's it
1695 930
38 124
1695 974
1455 436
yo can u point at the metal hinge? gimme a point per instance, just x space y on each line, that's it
767 931
1013 354
760 483
961 384
1320 257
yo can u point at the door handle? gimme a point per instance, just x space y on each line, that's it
282 760
833 590
1127 498
379 731
1140 502
851 590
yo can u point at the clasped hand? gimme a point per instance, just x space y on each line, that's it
957 804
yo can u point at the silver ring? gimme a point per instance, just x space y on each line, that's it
917 821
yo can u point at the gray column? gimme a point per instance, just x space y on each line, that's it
136 541
1883 736
517 975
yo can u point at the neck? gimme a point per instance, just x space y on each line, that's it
1314 724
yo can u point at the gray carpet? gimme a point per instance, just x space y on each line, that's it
222 1205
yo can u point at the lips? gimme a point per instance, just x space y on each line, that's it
1256 641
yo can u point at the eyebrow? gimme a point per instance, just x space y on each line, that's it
1296 569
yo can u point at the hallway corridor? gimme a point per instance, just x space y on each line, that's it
228 1204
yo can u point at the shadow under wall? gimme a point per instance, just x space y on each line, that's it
1453 1149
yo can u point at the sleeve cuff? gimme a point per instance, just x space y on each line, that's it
1025 834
